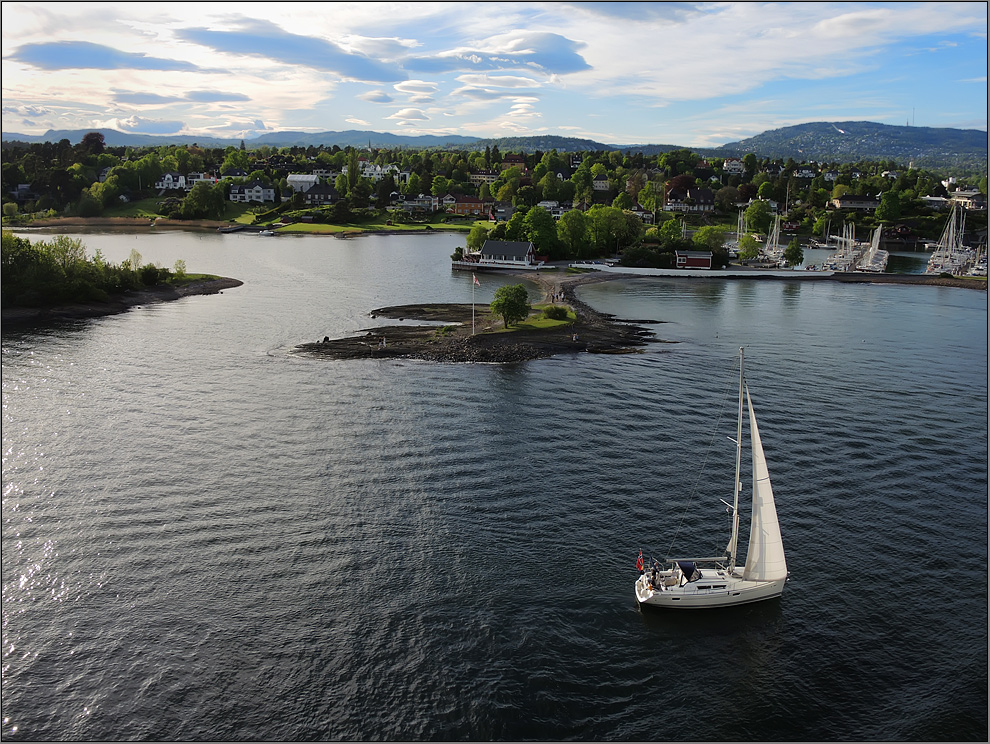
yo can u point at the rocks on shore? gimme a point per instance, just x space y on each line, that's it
116 304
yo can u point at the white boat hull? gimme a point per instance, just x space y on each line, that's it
689 597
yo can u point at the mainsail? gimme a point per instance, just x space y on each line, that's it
765 559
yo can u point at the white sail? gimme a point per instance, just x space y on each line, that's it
765 559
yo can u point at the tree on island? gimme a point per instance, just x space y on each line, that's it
511 303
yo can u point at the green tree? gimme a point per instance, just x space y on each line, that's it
794 253
572 232
477 237
511 303
726 198
541 230
710 237
670 231
623 201
749 248
890 207
514 228
758 216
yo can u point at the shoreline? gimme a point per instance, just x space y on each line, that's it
20 316
450 340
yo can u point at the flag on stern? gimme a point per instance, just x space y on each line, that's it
476 282
639 561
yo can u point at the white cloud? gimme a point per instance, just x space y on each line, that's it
409 114
417 86
497 81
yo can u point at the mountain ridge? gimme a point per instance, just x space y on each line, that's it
841 142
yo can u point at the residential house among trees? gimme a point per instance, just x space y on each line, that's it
320 194
483 176
465 205
501 212
301 182
171 181
861 203
733 167
514 159
690 200
256 191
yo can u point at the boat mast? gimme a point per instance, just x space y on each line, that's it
731 549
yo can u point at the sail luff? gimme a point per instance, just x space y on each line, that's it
730 549
765 560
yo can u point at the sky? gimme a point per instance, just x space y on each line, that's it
681 73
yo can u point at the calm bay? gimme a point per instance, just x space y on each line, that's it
208 536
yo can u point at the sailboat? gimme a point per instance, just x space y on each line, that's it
699 583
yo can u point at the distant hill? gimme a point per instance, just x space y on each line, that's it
353 138
113 138
547 142
961 150
852 141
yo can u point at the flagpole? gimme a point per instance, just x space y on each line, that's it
473 282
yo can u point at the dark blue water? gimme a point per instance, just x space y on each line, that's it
206 536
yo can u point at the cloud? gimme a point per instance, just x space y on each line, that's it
27 111
641 11
355 120
547 52
376 96
409 114
498 81
480 94
139 125
258 39
142 99
417 86
378 48
69 55
214 96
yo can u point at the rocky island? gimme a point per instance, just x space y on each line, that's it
449 337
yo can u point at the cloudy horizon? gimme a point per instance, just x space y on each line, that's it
693 74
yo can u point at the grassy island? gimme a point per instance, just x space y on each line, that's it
450 338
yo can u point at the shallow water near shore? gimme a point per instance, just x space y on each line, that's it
206 536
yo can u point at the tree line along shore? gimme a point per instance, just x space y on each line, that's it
579 205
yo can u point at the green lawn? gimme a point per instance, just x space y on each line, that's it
379 225
141 208
149 208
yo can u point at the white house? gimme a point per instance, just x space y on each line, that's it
733 166
193 178
171 181
256 191
554 208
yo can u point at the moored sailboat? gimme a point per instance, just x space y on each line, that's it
700 583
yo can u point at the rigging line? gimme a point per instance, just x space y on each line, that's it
704 463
